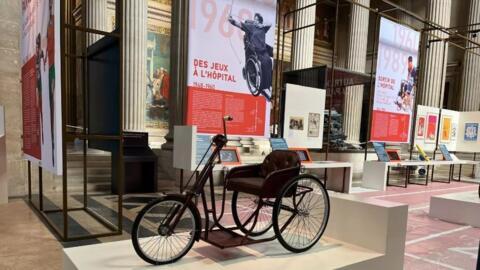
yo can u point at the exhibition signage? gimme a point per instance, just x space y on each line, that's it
41 106
395 83
230 60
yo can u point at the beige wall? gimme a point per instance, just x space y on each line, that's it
10 93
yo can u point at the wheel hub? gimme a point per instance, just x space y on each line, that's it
163 230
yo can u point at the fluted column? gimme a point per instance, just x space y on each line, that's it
356 61
96 18
402 16
434 62
470 88
303 40
135 62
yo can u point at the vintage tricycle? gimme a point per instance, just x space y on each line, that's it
269 195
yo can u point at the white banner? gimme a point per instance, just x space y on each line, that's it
230 65
395 83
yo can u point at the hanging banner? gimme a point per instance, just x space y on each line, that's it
41 99
230 65
395 83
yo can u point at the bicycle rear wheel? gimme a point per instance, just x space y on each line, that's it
243 208
301 212
152 237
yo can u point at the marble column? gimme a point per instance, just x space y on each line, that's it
356 61
135 64
434 63
470 84
303 40
96 18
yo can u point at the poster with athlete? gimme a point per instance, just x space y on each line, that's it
41 103
230 65
395 83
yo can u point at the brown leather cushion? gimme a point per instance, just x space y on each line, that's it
250 185
279 159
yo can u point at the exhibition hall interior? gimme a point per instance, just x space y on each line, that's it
237 134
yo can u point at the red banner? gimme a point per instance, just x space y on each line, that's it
31 111
206 108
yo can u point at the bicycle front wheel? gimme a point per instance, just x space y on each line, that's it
153 237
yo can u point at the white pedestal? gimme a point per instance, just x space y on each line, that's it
463 208
361 235
339 174
373 224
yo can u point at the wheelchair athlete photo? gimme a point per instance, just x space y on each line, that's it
252 72
269 197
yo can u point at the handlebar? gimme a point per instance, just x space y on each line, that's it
225 119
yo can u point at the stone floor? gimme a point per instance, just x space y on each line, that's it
25 242
431 244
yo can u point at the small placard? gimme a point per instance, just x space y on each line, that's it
303 154
446 154
381 152
230 156
278 144
393 155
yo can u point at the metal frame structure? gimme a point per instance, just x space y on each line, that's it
71 51
426 34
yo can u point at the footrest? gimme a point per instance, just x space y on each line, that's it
227 238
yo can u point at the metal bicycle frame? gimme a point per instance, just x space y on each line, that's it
198 190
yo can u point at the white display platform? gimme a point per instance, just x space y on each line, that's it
329 254
463 208
375 172
361 235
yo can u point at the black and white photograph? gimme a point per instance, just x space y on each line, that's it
313 124
296 123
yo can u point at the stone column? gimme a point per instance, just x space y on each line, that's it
434 63
96 18
135 64
356 61
402 16
178 68
303 40
470 88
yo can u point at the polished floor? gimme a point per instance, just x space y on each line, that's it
431 244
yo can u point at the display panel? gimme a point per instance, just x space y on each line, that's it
468 139
303 116
381 152
230 156
230 65
303 154
395 83
427 126
41 95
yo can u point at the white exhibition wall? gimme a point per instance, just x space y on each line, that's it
458 130
424 132
467 135
304 116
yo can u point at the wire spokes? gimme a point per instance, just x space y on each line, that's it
157 239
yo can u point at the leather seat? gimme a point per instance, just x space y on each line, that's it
251 185
266 179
